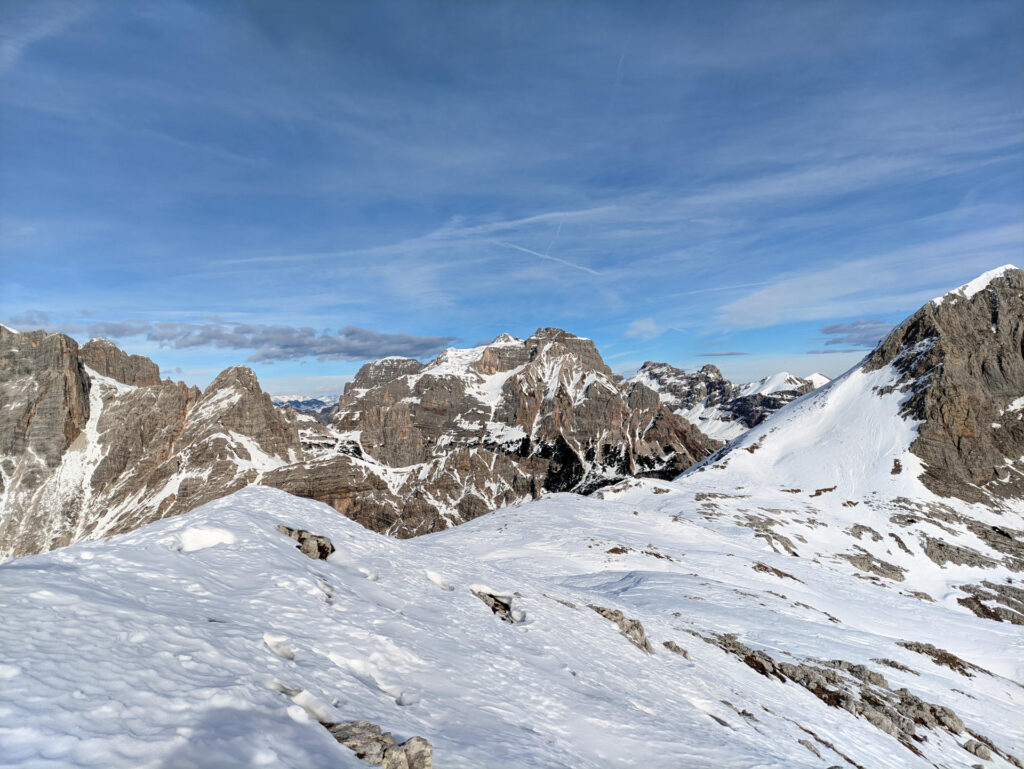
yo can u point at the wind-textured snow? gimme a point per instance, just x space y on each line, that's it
209 640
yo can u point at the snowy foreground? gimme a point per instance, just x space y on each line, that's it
803 599
178 645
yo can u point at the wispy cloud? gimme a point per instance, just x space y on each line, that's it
24 25
886 282
271 343
721 354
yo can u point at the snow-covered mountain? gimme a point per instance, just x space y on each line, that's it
303 402
92 442
320 408
837 587
721 409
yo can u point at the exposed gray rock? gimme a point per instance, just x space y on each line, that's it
108 360
943 657
1008 601
854 688
706 395
675 648
500 605
976 748
632 629
506 422
315 546
864 561
962 366
379 748
942 552
139 450
412 447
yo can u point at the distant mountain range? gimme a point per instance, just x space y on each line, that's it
721 409
95 443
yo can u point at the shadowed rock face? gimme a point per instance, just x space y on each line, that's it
962 365
93 443
44 391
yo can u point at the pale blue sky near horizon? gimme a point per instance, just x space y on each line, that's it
305 186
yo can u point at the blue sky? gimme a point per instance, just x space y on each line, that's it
307 185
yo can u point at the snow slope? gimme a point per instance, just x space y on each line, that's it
209 640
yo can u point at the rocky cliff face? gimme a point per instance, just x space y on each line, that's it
481 428
961 364
92 442
108 360
720 408
85 454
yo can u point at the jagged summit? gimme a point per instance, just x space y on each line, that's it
959 364
720 408
410 447
107 359
509 420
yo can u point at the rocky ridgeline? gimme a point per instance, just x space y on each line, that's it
720 408
93 442
420 447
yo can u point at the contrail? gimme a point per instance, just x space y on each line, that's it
720 288
546 256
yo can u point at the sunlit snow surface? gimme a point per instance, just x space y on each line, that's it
208 640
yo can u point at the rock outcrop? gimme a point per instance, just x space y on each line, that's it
87 451
961 358
492 425
377 747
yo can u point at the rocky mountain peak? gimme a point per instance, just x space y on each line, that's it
235 377
960 360
711 370
107 359
556 342
45 395
381 371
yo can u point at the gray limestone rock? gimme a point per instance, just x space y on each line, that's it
632 629
684 391
108 360
379 748
315 546
962 366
